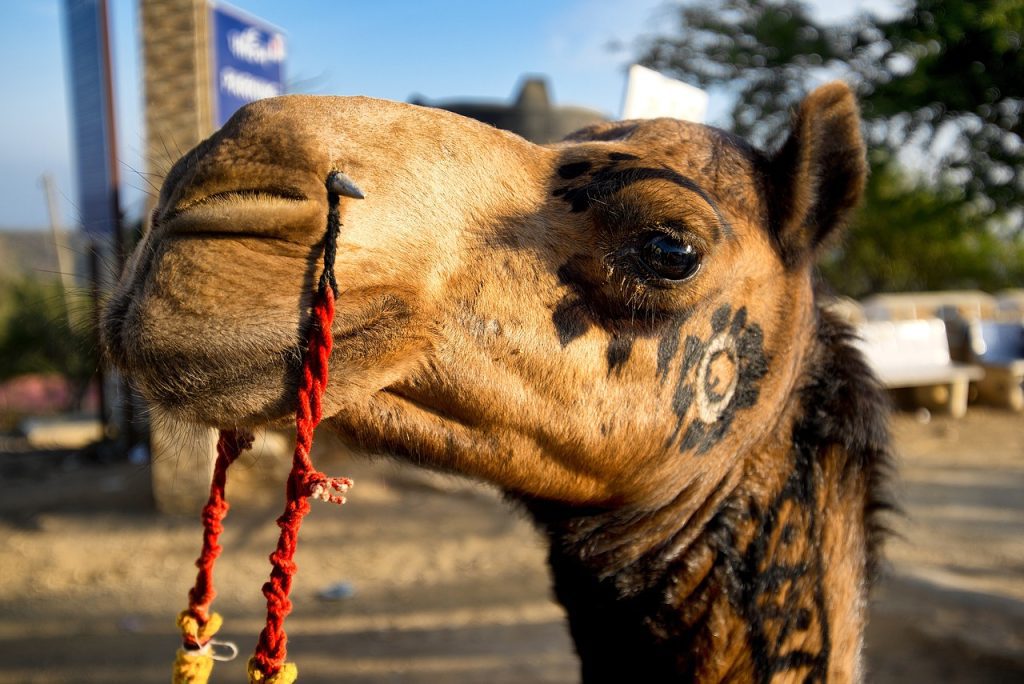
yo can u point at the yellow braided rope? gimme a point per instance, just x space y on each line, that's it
194 667
286 675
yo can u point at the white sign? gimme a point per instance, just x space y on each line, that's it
650 95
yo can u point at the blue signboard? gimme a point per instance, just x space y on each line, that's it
248 61
92 115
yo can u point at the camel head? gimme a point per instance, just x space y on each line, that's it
604 321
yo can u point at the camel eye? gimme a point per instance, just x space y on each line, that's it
668 258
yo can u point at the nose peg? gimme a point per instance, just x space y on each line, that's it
340 184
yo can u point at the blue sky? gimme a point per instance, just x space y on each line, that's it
385 48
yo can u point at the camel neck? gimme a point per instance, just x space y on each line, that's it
749 580
765 581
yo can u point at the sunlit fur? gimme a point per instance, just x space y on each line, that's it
497 319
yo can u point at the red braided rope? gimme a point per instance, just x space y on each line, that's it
271 649
304 480
229 446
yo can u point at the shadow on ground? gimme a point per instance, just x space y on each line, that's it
450 586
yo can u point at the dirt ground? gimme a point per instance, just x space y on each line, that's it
449 583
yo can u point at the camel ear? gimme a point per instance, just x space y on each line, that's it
818 174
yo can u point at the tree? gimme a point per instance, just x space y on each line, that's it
959 64
36 337
940 83
761 50
910 235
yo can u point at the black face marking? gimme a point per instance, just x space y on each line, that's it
692 352
667 347
739 321
619 350
584 306
570 320
573 169
717 377
573 315
712 382
613 177
721 317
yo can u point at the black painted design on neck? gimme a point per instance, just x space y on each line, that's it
778 581
618 603
573 169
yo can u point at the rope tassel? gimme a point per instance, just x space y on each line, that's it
194 660
267 664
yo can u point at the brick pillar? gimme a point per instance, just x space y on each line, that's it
176 72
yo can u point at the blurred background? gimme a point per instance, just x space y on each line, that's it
425 577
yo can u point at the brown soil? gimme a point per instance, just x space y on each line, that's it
450 583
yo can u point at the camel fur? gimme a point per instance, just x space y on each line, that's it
619 330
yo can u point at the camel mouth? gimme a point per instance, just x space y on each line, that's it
198 373
232 371
222 398
231 199
271 213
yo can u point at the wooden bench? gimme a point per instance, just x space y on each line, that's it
912 358
999 348
898 306
1010 305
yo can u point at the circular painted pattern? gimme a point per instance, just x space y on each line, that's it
717 377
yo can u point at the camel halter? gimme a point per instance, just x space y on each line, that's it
194 661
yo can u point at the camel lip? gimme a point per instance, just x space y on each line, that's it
204 384
244 212
235 197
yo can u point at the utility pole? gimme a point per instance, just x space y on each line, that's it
91 90
60 244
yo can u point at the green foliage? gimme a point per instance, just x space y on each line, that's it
910 236
35 336
761 50
957 63
943 79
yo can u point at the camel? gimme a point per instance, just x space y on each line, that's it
620 330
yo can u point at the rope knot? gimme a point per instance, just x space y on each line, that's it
329 489
194 660
244 441
196 632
